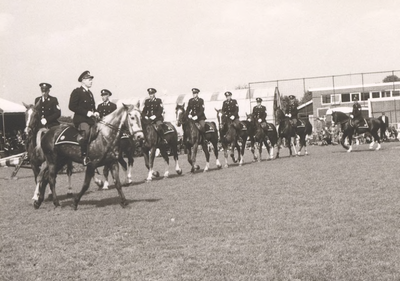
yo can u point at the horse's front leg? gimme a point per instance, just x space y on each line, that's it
69 174
150 163
240 158
293 140
41 185
118 186
52 183
225 147
194 148
106 171
207 153
88 177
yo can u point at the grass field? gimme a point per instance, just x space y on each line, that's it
331 215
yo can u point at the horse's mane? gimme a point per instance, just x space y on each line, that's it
104 124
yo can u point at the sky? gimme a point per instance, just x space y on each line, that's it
173 46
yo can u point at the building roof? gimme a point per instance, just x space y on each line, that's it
348 87
7 106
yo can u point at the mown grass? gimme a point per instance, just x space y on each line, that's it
328 216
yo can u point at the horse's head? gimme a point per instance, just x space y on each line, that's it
338 117
280 115
222 119
134 122
250 117
180 113
31 118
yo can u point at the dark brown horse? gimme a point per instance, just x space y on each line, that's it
152 141
102 150
267 136
36 158
229 138
349 130
193 138
288 132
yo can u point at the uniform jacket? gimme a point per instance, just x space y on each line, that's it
356 110
230 107
292 109
49 109
386 120
106 108
153 107
81 102
196 108
260 112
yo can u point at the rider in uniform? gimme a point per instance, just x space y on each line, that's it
48 107
153 110
106 107
356 114
195 110
260 114
82 103
291 110
230 109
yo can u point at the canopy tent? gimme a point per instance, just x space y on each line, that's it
12 116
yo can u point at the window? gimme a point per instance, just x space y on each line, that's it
345 97
385 94
375 95
355 96
326 98
364 96
396 93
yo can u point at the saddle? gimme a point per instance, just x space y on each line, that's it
167 128
67 136
207 127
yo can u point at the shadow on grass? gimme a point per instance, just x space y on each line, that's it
107 202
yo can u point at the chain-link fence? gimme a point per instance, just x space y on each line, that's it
299 86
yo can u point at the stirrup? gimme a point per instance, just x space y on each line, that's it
86 161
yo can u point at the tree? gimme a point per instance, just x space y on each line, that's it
244 86
307 97
391 78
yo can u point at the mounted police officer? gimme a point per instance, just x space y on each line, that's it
291 110
230 109
48 107
153 110
82 103
195 110
356 114
106 107
260 114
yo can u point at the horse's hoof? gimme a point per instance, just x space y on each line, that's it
219 166
156 174
149 180
123 204
36 204
197 167
56 203
99 183
70 195
226 166
179 172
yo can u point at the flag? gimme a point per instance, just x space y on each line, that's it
277 103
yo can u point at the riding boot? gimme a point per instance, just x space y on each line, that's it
160 132
83 142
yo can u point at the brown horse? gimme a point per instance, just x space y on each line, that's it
36 158
193 138
229 138
152 141
102 150
267 136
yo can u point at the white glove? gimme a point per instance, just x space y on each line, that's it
43 121
89 114
146 117
259 120
232 117
190 116
351 116
194 118
96 114
289 115
152 117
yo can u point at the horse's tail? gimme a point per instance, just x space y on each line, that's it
308 129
